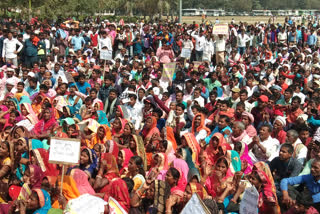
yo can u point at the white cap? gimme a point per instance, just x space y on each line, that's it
31 74
53 28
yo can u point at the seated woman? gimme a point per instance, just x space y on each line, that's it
150 129
216 145
246 163
5 170
117 127
33 176
160 164
46 125
195 188
108 183
29 116
136 172
88 162
248 119
216 180
38 203
279 124
124 139
151 198
123 160
103 134
137 148
81 179
198 128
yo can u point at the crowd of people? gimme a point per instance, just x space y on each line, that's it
241 111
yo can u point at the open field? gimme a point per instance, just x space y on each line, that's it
227 19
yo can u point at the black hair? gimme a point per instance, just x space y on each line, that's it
44 87
21 83
268 126
129 182
133 95
158 112
139 162
93 90
16 113
181 106
237 146
110 77
223 160
296 98
174 172
227 119
289 147
244 91
114 91
241 104
197 89
87 99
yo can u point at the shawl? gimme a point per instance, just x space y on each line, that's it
266 194
201 126
95 139
211 152
81 179
161 194
182 167
44 201
126 155
140 150
112 167
31 114
194 146
153 129
239 138
244 156
36 176
43 126
199 189
262 166
251 131
42 157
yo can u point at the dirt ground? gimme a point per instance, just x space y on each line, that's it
237 19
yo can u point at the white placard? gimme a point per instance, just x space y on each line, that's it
249 202
106 54
86 204
195 205
186 53
64 151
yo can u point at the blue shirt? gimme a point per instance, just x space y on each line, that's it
32 91
312 185
312 39
77 42
83 88
215 130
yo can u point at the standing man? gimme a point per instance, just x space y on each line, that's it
9 51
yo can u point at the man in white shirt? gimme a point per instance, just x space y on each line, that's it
282 36
300 150
220 47
242 40
105 42
200 42
134 111
9 51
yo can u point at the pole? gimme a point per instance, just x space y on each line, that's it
30 10
180 11
62 179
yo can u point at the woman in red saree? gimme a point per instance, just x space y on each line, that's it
123 160
193 145
109 184
195 188
216 180
40 157
217 146
118 127
46 125
267 202
150 129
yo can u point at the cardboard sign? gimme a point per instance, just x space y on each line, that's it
249 202
195 205
186 53
106 55
168 71
222 29
64 151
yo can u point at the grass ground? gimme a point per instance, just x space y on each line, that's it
227 19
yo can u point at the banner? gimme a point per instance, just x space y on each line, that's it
220 29
106 55
186 53
64 151
168 71
249 202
